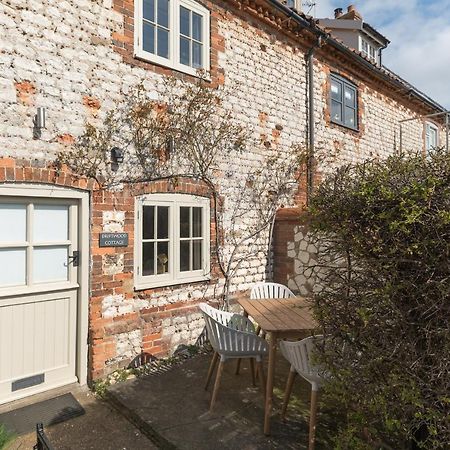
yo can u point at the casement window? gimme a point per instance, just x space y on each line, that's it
173 33
369 50
344 102
364 47
171 239
431 136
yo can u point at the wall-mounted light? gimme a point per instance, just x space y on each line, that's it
40 117
170 146
116 155
39 122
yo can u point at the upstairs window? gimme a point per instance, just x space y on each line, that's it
368 50
172 240
431 136
173 33
344 102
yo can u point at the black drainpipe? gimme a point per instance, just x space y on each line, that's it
311 120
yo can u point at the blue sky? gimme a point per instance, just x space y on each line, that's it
419 32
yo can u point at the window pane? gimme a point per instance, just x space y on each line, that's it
197 55
185 17
148 258
50 223
149 10
148 43
197 26
431 138
336 111
163 222
349 95
336 90
197 222
163 43
364 46
50 264
184 255
163 13
184 222
350 117
162 257
13 223
13 266
148 222
184 51
197 255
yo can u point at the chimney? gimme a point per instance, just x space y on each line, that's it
351 14
337 13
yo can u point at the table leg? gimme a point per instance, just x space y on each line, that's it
270 378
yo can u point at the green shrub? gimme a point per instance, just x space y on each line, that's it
385 300
5 437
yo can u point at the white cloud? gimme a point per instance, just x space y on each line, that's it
419 31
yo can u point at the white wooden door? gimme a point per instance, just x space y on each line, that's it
38 294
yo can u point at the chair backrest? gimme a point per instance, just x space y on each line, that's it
270 290
299 354
231 334
217 314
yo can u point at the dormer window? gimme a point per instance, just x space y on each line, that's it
173 33
294 4
368 49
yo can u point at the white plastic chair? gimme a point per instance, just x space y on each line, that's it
231 336
270 290
299 355
267 290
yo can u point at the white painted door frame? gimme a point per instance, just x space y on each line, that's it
46 191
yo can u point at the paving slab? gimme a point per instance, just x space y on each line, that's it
172 408
101 428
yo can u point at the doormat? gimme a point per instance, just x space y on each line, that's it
49 412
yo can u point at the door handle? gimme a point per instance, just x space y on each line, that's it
74 259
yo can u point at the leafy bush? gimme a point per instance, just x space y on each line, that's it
5 436
385 300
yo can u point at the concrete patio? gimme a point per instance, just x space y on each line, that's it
171 408
102 427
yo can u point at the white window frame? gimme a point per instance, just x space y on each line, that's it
431 126
370 47
174 276
173 61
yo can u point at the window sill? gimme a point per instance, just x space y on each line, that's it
144 285
346 127
149 58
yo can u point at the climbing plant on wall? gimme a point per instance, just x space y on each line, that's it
187 129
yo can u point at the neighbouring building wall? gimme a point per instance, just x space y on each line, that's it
297 253
76 60
380 133
380 113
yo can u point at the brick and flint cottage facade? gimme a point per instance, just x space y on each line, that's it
73 306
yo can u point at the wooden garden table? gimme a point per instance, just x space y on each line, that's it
280 318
